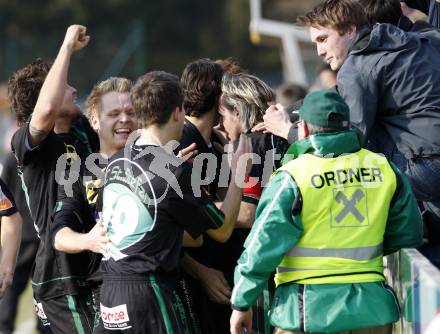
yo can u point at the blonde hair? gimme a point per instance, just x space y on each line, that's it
249 96
112 84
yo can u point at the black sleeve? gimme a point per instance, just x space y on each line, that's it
7 203
194 214
70 211
22 148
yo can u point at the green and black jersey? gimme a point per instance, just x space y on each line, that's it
10 176
37 168
148 202
80 210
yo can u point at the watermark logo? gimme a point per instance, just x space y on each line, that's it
207 167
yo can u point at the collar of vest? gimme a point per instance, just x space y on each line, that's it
325 144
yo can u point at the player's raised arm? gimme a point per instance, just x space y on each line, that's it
55 86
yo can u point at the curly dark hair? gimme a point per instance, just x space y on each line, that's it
24 87
154 96
201 85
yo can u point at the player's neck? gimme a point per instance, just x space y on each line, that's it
204 124
154 135
106 150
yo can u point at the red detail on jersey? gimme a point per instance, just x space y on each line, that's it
252 188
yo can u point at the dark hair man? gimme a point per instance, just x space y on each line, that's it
324 223
53 127
146 219
201 82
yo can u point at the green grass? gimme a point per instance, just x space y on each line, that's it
26 311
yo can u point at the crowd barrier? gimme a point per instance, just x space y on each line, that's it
417 284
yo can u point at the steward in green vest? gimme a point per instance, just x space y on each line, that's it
324 222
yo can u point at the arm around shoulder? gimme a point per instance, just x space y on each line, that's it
68 241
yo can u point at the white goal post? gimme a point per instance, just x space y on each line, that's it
288 36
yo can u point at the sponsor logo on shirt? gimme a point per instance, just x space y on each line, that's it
92 190
115 318
124 213
71 154
40 313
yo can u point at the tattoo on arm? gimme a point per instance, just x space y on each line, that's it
36 134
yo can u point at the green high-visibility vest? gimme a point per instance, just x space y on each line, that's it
345 203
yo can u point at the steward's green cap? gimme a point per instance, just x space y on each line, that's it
325 108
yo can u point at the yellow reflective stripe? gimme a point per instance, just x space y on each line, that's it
344 218
355 253
327 263
329 270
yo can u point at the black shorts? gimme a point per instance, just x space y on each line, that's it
69 314
142 304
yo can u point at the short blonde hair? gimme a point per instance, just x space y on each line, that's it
112 84
248 95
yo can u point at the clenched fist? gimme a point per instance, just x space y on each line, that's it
76 38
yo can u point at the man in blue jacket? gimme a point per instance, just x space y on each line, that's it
389 79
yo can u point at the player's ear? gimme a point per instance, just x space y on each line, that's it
94 121
176 114
351 31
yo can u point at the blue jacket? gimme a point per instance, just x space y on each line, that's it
391 81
